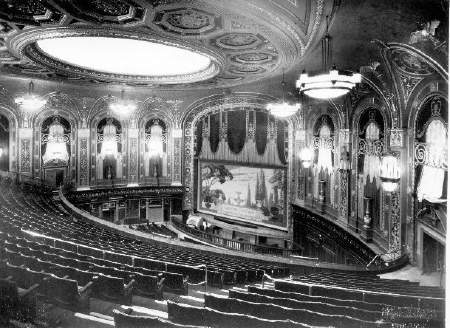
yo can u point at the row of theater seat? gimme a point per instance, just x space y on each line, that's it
371 284
41 214
44 257
155 229
268 307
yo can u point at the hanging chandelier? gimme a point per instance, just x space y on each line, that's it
123 107
331 84
30 102
283 109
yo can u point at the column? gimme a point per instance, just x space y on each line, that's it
116 213
133 154
177 135
344 175
398 203
25 150
300 143
147 211
83 159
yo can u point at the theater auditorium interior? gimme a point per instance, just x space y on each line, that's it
208 163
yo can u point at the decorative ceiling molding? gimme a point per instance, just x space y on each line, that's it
246 40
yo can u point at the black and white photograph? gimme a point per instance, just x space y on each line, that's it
223 163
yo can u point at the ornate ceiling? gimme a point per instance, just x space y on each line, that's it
247 40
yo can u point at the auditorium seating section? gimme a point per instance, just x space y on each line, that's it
49 256
153 228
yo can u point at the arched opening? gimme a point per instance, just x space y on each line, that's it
109 150
4 143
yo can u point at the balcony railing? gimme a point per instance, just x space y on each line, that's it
234 244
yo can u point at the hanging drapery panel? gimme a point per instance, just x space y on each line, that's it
199 139
242 138
214 131
261 132
281 141
237 130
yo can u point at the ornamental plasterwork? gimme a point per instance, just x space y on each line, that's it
246 40
408 83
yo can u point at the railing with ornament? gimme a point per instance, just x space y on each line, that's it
368 147
425 154
323 143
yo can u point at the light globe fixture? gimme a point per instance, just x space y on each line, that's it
330 84
389 172
122 107
30 102
306 157
283 109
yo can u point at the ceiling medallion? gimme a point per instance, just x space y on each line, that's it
96 53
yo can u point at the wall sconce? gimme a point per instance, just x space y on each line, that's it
389 172
306 157
344 163
30 103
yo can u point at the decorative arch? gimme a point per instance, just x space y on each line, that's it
13 125
56 107
371 122
214 104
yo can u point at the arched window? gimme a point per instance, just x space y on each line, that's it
4 143
431 155
55 141
155 156
370 146
109 149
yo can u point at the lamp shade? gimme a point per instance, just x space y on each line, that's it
389 172
306 157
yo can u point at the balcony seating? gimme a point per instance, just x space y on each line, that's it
324 308
67 293
16 303
113 289
201 316
125 319
276 312
406 297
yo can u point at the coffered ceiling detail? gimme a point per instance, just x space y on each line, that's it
247 40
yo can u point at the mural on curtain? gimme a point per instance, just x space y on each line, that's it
241 167
250 193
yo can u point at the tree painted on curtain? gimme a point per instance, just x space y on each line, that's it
254 194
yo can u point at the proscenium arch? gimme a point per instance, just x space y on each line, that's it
208 105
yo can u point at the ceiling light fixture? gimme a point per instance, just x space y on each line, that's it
122 107
29 102
331 84
283 109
